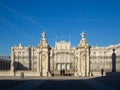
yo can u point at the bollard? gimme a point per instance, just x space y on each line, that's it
22 75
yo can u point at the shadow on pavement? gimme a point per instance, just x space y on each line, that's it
63 83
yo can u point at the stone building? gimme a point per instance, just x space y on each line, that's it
5 63
63 59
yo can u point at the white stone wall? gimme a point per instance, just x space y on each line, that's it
83 59
24 57
101 58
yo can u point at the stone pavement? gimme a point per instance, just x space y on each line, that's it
98 85
32 83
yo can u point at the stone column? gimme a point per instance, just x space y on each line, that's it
38 64
88 62
76 69
77 65
83 64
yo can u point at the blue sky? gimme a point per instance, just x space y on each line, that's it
23 21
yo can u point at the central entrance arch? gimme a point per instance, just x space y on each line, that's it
62 58
63 62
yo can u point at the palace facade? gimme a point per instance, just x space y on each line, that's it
83 60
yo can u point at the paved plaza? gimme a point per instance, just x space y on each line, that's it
60 83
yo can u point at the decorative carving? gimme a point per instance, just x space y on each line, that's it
83 35
43 35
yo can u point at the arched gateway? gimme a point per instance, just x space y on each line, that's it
59 60
71 61
62 59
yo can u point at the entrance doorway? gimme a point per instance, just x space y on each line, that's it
64 69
